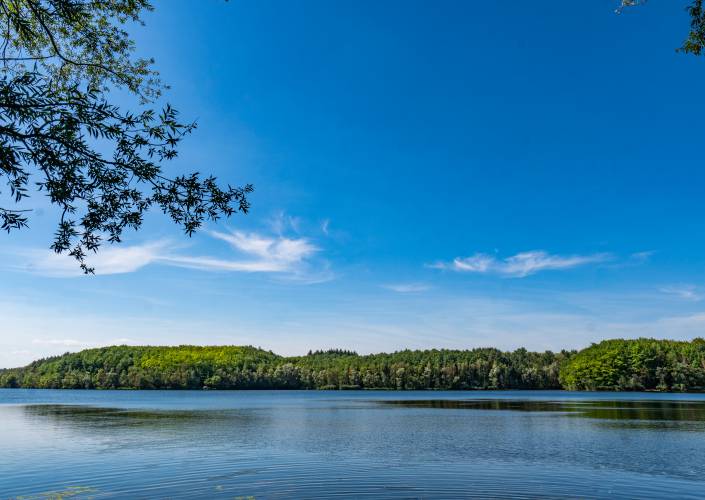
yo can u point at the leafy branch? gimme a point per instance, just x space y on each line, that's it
101 166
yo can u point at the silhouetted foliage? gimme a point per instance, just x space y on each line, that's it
101 166
695 41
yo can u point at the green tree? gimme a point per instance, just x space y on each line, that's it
232 367
694 43
637 364
100 165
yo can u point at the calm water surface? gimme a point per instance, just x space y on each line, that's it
292 444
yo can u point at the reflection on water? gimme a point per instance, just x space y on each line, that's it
383 445
92 417
605 410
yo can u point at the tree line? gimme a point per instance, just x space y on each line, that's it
636 365
618 365
233 367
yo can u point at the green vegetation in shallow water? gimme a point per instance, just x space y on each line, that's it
71 492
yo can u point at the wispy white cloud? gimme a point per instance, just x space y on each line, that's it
406 287
520 265
685 292
109 260
281 252
634 259
641 257
252 253
281 222
215 264
288 258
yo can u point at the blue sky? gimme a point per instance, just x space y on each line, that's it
428 174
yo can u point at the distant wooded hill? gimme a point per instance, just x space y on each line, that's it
641 364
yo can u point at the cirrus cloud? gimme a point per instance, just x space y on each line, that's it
406 287
252 253
520 265
685 292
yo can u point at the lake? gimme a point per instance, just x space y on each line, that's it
306 444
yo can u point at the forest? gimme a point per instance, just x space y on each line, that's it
233 367
637 365
640 364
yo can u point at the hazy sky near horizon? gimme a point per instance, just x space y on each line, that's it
428 174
